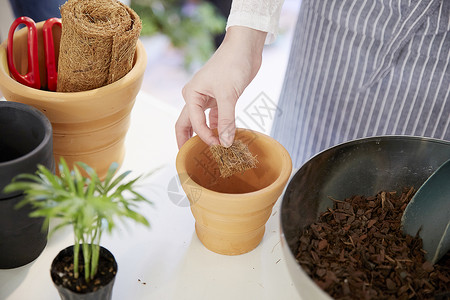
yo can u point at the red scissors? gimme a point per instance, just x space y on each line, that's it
32 78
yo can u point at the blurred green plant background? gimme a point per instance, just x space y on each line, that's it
192 26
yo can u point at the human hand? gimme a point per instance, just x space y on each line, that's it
218 85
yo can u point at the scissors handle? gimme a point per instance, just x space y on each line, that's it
50 61
32 78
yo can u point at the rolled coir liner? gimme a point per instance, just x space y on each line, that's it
98 42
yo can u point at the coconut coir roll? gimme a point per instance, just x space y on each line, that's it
98 42
234 159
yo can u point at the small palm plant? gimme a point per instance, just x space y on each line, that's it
88 204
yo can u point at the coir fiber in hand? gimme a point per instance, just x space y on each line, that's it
234 159
98 42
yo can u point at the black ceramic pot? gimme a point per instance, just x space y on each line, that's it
25 141
66 257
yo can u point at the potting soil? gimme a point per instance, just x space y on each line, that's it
62 273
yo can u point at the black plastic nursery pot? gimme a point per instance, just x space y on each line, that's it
25 141
103 281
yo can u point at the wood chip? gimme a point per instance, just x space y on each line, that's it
356 250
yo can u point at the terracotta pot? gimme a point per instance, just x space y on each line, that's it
25 142
88 126
65 256
231 213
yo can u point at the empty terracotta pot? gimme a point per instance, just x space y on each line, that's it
231 213
88 126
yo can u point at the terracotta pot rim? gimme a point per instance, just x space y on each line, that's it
45 123
280 181
49 96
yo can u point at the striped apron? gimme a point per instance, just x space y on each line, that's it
365 68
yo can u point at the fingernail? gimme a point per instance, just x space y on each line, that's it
226 139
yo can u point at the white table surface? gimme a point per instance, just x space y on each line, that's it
166 261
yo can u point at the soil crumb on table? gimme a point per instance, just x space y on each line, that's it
356 250
234 159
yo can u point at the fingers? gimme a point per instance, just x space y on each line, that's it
192 118
226 122
198 120
183 128
213 117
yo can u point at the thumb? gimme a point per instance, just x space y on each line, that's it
226 122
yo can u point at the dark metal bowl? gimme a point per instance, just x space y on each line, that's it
360 167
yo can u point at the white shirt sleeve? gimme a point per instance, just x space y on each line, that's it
257 14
